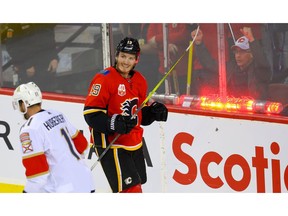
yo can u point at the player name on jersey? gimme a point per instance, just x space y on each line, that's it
54 121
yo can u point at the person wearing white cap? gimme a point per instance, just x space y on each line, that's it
249 73
242 52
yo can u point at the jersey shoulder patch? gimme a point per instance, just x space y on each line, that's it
26 142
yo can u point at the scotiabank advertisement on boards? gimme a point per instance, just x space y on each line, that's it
209 154
188 153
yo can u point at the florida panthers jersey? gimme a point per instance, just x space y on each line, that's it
51 150
110 93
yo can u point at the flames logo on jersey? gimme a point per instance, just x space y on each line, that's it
95 90
121 90
129 107
26 143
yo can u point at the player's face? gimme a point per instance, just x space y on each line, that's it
125 63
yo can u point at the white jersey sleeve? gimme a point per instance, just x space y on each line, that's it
34 159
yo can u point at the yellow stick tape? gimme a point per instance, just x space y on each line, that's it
190 58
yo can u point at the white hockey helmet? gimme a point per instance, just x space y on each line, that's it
29 93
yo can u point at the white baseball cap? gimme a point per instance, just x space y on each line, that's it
242 43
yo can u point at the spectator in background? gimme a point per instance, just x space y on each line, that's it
205 77
260 33
32 49
178 41
204 72
277 34
248 71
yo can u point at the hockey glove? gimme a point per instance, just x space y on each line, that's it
159 111
121 124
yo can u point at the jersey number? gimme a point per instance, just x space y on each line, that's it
68 140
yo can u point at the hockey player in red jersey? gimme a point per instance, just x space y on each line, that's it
115 94
52 148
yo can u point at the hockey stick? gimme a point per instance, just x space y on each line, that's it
146 99
232 33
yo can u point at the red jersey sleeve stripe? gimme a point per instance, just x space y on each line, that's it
80 142
35 165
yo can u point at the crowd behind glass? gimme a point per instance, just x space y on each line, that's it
78 55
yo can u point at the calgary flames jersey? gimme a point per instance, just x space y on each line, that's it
110 93
52 150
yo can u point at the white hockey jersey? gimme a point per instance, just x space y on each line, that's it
52 149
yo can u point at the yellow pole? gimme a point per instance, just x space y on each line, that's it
189 72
